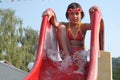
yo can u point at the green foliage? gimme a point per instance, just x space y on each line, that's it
17 44
116 70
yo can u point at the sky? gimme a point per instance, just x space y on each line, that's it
30 11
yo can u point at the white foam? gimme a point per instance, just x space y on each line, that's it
80 58
54 55
65 64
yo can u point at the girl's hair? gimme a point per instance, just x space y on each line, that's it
74 6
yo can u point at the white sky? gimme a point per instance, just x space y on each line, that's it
30 12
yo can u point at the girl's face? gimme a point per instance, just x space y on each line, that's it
74 15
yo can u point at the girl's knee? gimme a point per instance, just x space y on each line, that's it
62 30
61 27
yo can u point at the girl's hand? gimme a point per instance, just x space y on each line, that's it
49 12
94 8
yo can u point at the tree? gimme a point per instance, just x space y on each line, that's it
17 44
116 71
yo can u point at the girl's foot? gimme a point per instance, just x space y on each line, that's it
78 72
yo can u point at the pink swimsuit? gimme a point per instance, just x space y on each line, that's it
78 37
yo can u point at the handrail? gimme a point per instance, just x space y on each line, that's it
34 73
101 36
94 46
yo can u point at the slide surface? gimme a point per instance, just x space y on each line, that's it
53 69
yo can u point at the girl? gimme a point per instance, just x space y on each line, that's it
71 34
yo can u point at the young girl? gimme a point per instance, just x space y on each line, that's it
71 34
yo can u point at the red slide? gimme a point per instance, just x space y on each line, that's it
46 69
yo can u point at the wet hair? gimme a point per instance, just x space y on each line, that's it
74 6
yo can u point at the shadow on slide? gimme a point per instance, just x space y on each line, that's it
46 69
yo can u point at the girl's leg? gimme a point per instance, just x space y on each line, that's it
80 61
62 39
81 66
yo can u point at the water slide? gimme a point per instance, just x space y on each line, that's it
46 69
